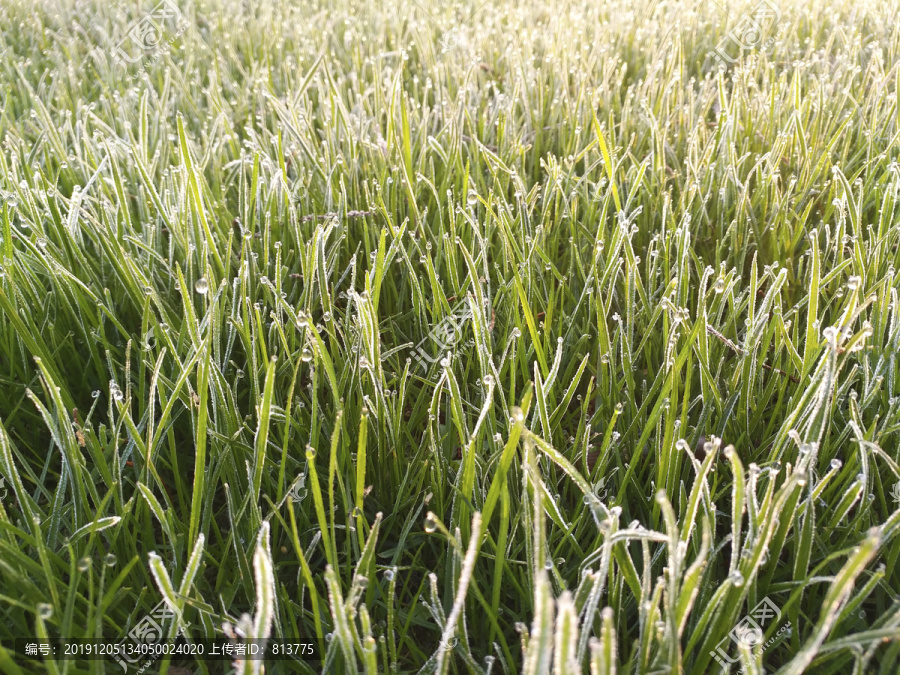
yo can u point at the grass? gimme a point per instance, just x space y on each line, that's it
666 390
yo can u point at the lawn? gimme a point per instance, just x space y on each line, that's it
450 337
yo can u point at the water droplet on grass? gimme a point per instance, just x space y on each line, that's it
45 610
736 578
202 286
430 522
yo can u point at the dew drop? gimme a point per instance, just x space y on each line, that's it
202 286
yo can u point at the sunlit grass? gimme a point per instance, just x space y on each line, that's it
673 389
